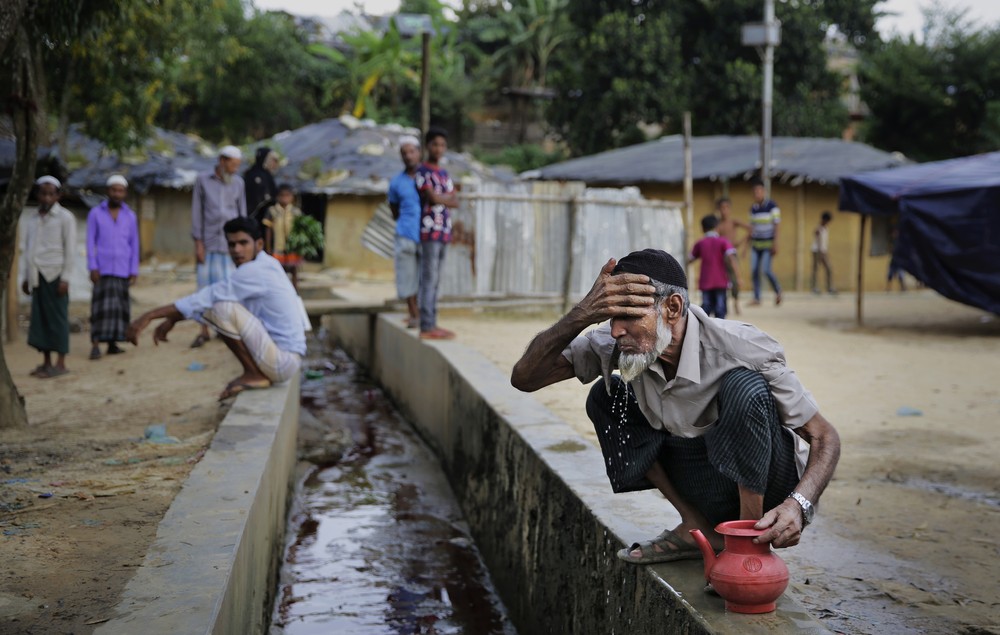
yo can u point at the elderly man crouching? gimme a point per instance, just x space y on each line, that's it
705 410
255 311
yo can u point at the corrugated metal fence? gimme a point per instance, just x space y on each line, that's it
544 238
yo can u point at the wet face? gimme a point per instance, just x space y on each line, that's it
243 248
410 155
641 340
285 198
116 195
436 148
758 193
48 195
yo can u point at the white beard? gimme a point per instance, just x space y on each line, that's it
227 178
631 365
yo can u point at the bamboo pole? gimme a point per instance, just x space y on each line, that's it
688 193
425 83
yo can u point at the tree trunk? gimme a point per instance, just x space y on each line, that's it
27 114
62 131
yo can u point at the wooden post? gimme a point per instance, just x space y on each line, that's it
800 237
861 268
13 296
688 192
425 83
574 211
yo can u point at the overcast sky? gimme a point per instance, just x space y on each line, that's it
909 18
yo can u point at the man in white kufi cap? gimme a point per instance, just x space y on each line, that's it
48 237
404 201
113 261
219 196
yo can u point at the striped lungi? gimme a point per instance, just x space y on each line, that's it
109 309
233 320
49 329
217 266
747 446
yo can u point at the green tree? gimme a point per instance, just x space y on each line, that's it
628 72
702 59
935 99
30 32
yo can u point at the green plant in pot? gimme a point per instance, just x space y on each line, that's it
306 237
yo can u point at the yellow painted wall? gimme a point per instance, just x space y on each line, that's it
801 208
346 218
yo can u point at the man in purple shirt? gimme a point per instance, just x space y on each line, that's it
113 261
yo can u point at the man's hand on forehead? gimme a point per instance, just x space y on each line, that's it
621 295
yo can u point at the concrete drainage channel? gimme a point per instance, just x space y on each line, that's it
533 493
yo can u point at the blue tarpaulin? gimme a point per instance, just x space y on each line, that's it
949 222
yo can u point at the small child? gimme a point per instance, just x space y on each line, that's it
715 252
820 252
278 222
47 245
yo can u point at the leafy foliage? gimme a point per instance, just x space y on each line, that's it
306 237
936 99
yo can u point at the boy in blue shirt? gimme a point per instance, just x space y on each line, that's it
404 201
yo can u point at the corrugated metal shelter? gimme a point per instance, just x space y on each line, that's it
806 175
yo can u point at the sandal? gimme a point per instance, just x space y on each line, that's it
95 353
679 550
200 341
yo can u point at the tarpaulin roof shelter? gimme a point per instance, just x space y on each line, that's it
949 223
719 157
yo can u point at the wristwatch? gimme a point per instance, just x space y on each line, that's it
808 511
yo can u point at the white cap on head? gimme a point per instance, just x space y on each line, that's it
117 179
230 152
50 180
409 140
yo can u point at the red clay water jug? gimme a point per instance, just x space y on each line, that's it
749 577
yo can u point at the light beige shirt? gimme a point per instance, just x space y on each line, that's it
821 240
685 406
47 244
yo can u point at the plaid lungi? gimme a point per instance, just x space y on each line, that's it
109 309
217 266
233 320
49 330
747 446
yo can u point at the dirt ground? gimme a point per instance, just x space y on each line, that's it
906 538
905 541
81 492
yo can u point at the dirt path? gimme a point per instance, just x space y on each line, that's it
906 539
68 555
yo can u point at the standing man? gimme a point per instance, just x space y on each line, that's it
261 190
218 197
437 196
820 252
706 411
47 245
765 219
113 261
404 201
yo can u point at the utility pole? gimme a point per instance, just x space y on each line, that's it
766 34
688 190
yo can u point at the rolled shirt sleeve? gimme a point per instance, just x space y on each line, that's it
134 247
795 404
198 210
92 240
69 246
590 354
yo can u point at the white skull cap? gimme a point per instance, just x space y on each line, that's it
51 180
117 179
409 140
230 152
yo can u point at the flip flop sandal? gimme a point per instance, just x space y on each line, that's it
95 353
680 550
114 350
53 372
199 341
40 370
236 388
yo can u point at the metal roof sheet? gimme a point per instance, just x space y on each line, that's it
722 157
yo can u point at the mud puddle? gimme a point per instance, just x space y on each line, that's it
377 543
